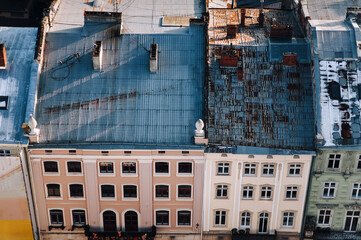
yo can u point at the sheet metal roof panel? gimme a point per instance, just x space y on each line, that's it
329 9
124 103
15 79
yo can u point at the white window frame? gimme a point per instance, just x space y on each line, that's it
74 173
107 198
185 174
358 191
268 168
223 167
106 174
50 173
161 174
250 167
268 188
358 220
71 215
291 190
290 215
334 192
129 174
54 198
324 215
220 218
57 225
161 198
169 217
184 198
334 159
248 190
224 187
130 198
76 198
245 217
191 220
295 167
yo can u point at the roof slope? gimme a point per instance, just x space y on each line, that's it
16 79
258 100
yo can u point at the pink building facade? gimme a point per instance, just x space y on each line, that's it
128 191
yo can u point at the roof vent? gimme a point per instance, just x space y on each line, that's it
96 16
97 55
2 56
153 57
4 102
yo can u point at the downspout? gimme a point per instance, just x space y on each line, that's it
24 158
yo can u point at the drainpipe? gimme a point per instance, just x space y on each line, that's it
307 196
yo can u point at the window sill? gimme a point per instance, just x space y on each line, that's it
62 227
223 174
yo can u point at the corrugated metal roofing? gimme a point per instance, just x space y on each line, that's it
296 45
15 79
124 103
255 3
258 103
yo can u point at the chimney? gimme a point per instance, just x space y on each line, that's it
97 55
153 57
2 56
289 59
284 31
261 18
231 32
243 16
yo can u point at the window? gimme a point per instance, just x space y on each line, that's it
358 162
74 167
351 221
324 217
356 191
185 167
184 218
162 191
107 191
76 190
247 192
329 190
129 167
53 190
295 170
51 167
161 167
222 191
334 161
268 170
220 218
250 169
78 217
287 220
245 220
130 191
56 217
184 191
4 100
162 218
291 193
106 167
263 223
4 153
223 169
266 193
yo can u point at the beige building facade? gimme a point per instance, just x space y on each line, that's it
128 191
259 194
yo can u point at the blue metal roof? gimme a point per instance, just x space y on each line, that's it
278 47
125 102
255 3
17 81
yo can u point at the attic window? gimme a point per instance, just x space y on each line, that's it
4 100
334 91
4 153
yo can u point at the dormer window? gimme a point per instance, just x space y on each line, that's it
4 102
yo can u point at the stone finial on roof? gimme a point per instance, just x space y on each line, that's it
199 132
35 132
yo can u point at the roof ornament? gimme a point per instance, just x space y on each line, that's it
199 132
34 132
32 123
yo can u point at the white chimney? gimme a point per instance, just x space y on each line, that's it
153 57
98 55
